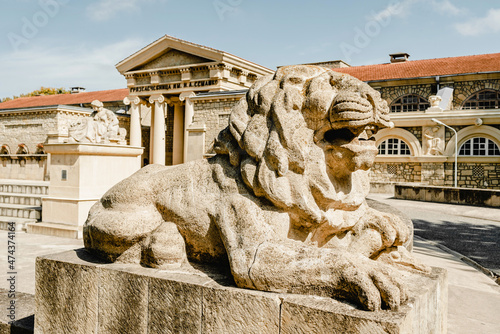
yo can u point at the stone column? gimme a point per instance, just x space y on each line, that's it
188 118
158 128
178 144
135 120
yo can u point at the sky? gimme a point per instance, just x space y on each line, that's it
66 43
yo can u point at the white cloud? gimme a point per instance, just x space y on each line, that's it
446 7
403 8
67 66
481 25
394 9
103 10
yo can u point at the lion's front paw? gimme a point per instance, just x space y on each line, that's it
373 285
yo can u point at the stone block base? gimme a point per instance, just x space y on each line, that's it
75 293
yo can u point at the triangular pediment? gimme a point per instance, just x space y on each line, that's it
167 52
173 58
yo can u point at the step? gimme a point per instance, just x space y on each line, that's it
57 230
24 199
20 211
19 222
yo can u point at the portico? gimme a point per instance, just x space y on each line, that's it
163 78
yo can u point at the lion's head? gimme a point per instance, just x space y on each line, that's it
303 139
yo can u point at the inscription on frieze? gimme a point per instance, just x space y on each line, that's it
173 86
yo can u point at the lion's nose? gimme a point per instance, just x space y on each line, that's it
371 130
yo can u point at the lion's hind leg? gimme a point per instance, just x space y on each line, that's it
164 248
115 234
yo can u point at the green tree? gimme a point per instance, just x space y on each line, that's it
38 92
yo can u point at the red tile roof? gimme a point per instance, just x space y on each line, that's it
425 68
66 99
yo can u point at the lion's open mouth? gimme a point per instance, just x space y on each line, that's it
356 139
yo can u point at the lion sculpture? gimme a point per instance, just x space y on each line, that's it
282 202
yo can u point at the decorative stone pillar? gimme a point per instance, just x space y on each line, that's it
135 119
158 128
188 119
178 142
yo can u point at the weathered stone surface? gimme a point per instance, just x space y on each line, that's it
174 307
478 197
127 297
288 182
426 312
123 302
233 310
66 294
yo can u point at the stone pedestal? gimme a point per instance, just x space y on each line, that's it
75 293
79 175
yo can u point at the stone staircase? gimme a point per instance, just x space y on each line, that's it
21 202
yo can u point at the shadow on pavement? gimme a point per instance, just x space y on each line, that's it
479 243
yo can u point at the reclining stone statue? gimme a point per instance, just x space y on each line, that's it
282 202
101 127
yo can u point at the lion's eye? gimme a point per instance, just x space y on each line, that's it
334 134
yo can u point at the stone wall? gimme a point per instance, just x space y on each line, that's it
30 167
392 93
462 90
432 174
479 197
474 175
395 172
470 175
29 129
215 115
416 131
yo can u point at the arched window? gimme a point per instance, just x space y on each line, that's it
484 99
479 146
393 146
408 103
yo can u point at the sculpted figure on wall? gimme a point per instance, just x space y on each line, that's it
282 202
432 141
102 127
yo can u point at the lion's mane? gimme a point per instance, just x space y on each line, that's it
272 136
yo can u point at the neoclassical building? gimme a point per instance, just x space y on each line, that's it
182 92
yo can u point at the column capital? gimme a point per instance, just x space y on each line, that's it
133 99
185 95
158 98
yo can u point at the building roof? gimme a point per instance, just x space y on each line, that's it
66 99
425 68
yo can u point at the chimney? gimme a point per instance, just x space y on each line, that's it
76 90
399 57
